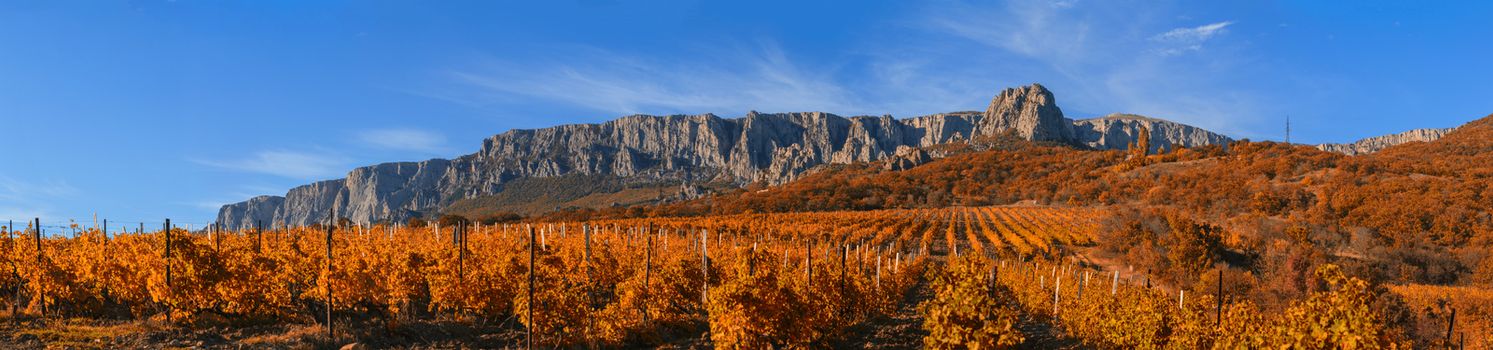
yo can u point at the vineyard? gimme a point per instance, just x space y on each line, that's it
751 280
1103 311
733 281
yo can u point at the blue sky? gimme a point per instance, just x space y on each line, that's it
143 110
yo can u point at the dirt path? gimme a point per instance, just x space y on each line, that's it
1040 334
902 329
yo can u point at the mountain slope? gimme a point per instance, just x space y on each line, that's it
1420 212
646 151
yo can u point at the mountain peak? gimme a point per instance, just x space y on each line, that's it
1031 111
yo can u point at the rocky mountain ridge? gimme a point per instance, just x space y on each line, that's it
1374 144
1118 131
759 147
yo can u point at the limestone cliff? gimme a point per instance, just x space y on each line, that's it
1117 131
1374 144
759 147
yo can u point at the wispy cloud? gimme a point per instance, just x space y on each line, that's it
762 77
413 140
11 188
1194 34
1107 57
27 199
291 164
1099 57
1182 40
1041 29
23 213
214 202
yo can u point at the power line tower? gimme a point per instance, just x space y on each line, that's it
1288 129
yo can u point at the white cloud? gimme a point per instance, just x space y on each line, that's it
1194 34
291 164
1182 40
403 140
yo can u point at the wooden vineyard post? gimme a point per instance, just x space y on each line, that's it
1114 283
1218 318
897 263
458 239
258 236
332 222
1451 323
1057 285
844 251
808 268
647 270
590 295
37 228
465 232
752 263
704 268
529 331
808 264
167 229
994 278
860 258
1082 282
10 245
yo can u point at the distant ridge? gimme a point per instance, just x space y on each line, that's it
1118 131
1377 143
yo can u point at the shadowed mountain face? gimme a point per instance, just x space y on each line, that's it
760 147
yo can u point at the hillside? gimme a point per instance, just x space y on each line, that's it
1414 212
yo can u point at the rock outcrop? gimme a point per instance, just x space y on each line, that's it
259 211
1030 111
1118 131
1374 144
758 147
907 158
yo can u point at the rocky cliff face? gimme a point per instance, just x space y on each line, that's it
1374 144
1030 111
1118 131
258 211
766 147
